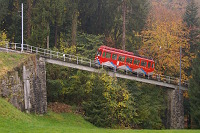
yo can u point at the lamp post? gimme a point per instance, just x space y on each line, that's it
22 45
180 75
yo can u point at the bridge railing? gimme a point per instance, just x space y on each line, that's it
47 53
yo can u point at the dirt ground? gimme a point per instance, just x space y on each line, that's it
59 107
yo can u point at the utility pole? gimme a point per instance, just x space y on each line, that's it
124 24
22 45
180 75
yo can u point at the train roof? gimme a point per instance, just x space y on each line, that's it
116 50
126 53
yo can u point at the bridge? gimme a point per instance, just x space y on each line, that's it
33 81
81 63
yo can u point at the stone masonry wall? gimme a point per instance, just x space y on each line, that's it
25 86
175 115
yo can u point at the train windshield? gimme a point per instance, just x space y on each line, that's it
99 53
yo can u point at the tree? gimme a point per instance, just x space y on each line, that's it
124 9
192 20
29 12
3 11
110 104
194 91
40 17
149 105
164 34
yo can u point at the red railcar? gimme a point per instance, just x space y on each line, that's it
124 60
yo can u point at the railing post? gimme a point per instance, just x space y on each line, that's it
64 56
50 54
44 52
57 54
37 50
7 48
158 77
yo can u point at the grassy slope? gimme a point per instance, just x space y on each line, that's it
12 120
10 60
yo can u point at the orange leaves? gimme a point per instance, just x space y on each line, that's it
165 32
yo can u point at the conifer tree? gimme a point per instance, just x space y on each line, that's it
192 20
194 91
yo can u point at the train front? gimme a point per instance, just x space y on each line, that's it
98 58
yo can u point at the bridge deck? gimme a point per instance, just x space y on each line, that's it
90 69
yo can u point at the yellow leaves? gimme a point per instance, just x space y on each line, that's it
3 39
165 32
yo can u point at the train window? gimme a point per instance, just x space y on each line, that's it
114 57
99 53
143 63
129 60
104 54
152 65
149 64
136 61
108 55
121 58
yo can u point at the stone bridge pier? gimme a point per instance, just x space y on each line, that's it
175 110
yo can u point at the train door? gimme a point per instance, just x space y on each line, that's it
129 62
114 59
121 60
143 66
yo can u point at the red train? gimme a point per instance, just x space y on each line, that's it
124 60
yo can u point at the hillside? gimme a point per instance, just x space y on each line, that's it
10 60
12 120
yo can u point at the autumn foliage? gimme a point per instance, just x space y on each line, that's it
165 32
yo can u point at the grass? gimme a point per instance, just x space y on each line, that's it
12 120
10 60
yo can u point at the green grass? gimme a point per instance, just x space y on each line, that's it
10 60
12 120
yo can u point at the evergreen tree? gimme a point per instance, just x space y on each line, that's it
3 11
192 20
194 91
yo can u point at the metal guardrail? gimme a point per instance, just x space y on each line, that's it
47 53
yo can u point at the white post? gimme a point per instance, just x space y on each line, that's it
22 31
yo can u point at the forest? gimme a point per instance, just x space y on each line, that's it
152 28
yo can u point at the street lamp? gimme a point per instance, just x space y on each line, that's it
22 30
180 75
